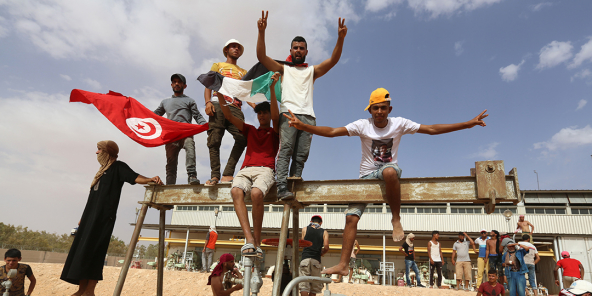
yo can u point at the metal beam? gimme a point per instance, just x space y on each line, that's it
489 186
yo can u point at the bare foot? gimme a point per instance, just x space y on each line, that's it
227 179
342 269
398 232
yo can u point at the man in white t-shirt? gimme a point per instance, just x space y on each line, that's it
374 133
530 259
297 95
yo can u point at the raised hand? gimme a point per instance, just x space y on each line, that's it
275 77
342 31
262 22
294 122
479 119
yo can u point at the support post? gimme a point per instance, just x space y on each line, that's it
384 260
279 261
130 251
186 243
248 264
160 264
295 248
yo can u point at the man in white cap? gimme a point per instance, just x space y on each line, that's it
579 288
232 50
482 264
207 254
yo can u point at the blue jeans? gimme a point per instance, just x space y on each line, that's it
358 209
531 276
517 283
408 265
295 146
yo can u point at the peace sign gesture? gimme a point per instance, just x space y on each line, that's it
262 22
342 31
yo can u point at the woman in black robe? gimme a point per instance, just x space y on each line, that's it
84 265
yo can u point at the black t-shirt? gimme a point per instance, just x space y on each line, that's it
408 251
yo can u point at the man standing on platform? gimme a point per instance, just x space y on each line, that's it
180 108
207 254
217 123
297 93
311 256
374 132
463 261
482 263
573 270
409 251
525 227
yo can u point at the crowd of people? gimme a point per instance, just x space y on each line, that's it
279 147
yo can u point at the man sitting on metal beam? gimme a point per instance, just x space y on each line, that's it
257 174
378 161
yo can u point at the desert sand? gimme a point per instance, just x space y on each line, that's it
143 282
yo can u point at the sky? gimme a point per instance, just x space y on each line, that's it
529 63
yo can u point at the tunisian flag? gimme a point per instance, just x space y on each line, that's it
136 121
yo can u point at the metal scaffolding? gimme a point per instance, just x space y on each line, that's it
487 185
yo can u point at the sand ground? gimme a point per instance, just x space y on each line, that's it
143 282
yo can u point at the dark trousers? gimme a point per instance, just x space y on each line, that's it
172 155
437 266
217 126
295 146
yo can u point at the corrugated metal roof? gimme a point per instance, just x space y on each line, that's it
555 196
544 224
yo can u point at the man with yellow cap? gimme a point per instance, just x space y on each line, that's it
84 265
218 124
380 136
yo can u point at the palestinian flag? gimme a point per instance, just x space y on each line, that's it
254 86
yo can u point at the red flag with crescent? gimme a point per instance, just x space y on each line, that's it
136 121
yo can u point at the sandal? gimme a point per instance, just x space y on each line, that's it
246 247
259 252
212 182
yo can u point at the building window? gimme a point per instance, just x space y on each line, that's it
278 209
431 210
458 210
312 210
336 209
373 210
228 208
186 208
249 208
581 211
546 211
405 210
501 210
208 208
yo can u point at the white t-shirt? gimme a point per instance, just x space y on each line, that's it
380 145
297 89
529 257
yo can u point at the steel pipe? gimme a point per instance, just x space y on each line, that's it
311 279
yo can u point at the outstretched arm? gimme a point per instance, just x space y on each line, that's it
268 62
275 111
143 180
227 114
436 129
324 67
324 131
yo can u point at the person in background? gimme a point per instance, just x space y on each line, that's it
463 262
531 259
207 254
573 270
482 263
311 256
435 255
409 251
12 258
491 287
225 264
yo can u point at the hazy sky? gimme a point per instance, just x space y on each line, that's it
443 61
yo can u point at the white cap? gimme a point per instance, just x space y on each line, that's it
242 49
580 287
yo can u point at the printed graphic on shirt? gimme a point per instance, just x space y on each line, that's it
381 151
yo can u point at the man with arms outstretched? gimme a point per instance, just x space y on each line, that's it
297 89
374 132
257 173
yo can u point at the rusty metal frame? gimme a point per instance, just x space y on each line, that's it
488 186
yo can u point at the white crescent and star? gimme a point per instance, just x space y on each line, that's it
145 128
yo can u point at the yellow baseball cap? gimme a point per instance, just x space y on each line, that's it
378 96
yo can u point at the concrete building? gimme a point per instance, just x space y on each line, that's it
562 220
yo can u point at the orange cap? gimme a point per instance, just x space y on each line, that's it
378 96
